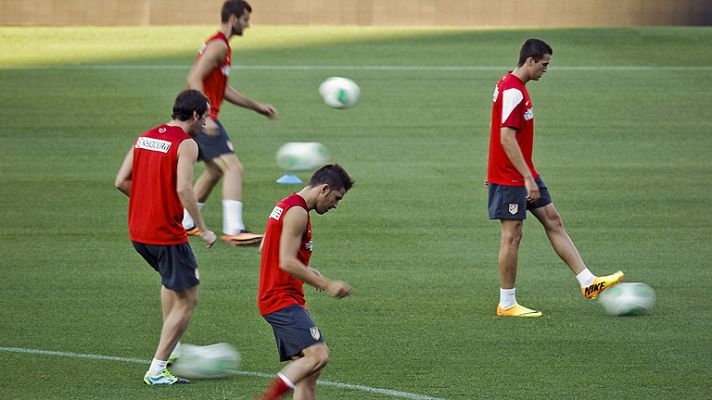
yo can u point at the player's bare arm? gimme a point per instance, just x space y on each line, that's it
293 227
123 177
213 54
508 138
187 156
238 99
318 274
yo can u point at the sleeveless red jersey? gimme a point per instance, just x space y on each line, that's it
215 83
511 107
278 289
155 211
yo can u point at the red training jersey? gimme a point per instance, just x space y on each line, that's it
215 83
155 211
278 289
511 107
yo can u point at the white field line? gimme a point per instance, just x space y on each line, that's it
387 392
385 68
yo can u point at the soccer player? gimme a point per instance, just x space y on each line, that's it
286 250
515 186
210 75
157 175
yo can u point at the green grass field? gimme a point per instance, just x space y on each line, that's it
622 139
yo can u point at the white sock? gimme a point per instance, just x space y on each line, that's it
188 222
585 278
507 297
286 380
232 217
157 367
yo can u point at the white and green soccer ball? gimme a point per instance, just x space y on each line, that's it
302 156
339 92
218 360
628 299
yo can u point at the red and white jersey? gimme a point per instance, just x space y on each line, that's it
279 289
155 210
511 107
215 83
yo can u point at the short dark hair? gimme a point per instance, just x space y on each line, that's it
333 175
234 7
534 48
188 102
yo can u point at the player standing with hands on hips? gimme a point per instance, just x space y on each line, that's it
157 175
515 186
284 268
210 75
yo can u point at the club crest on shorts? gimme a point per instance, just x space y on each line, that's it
314 331
513 209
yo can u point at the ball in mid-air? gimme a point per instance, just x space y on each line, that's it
339 92
302 156
628 299
218 360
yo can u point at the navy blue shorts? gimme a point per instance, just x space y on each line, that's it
175 263
213 146
294 330
510 202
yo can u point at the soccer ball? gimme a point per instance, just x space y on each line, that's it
339 92
206 362
628 299
302 156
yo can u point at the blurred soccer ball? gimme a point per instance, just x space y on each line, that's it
205 362
339 92
302 156
628 299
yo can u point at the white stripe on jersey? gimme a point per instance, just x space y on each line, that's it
510 99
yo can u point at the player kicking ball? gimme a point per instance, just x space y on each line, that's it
284 268
515 187
157 175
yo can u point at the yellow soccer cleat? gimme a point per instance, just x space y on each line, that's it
600 284
517 311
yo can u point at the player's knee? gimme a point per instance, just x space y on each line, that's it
236 169
231 166
323 358
319 356
321 362
512 238
188 304
554 222
189 300
213 174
